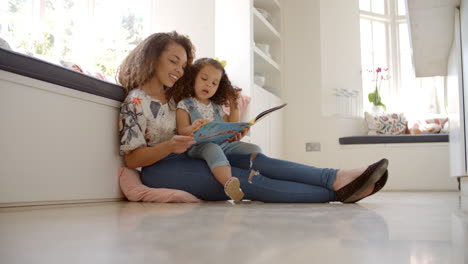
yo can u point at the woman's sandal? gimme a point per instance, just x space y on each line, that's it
233 190
371 175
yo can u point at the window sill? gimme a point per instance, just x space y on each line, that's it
394 139
38 69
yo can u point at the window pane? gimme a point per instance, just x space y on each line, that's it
401 8
380 59
58 29
119 27
380 44
366 54
378 6
406 67
67 32
16 24
364 5
366 39
373 55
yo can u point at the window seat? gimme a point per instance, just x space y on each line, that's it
393 139
45 71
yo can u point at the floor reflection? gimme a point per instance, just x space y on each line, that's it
415 228
460 232
255 232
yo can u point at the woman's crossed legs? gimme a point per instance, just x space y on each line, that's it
194 176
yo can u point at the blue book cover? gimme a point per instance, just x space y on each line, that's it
219 132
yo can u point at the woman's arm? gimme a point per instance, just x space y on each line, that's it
145 156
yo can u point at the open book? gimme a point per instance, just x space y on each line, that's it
219 132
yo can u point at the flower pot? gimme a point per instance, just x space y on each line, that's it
377 109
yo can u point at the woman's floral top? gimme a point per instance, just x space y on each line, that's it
144 121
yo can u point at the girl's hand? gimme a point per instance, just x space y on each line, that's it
179 144
239 136
198 123
233 103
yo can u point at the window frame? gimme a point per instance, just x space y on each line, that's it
392 21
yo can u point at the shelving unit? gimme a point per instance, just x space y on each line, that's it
266 31
241 29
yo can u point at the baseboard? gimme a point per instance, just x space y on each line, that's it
42 203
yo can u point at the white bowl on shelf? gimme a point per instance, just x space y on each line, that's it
264 13
259 79
265 48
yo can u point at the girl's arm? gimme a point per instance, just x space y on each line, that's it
145 156
234 114
184 127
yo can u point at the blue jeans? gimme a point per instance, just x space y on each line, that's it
278 181
215 155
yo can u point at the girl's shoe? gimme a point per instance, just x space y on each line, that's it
233 190
371 175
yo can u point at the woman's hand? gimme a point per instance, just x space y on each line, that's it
179 144
239 136
198 123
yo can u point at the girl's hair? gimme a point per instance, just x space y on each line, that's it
139 66
184 87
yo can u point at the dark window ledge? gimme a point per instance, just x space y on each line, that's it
38 69
392 139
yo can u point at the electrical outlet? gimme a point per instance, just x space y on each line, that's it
312 146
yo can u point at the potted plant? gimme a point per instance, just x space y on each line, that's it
375 97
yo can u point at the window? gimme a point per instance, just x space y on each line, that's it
385 43
94 34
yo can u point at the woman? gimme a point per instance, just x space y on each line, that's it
148 140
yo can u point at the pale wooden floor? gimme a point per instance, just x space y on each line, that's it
415 228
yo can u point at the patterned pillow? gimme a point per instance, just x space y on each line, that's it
428 126
386 123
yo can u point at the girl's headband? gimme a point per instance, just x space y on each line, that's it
222 62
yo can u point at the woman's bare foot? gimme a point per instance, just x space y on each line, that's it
344 177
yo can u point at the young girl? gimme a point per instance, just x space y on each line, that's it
204 88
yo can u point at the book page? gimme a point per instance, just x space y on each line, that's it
268 111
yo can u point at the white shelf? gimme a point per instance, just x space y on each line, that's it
277 3
266 90
263 29
268 4
263 62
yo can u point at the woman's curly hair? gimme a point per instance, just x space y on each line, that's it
140 65
185 86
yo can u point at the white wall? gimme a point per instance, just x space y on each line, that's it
57 144
322 53
339 41
193 18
